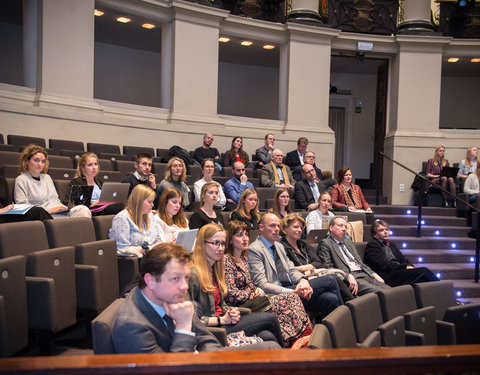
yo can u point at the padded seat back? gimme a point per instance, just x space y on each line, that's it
111 176
361 246
440 294
366 314
320 338
59 265
22 140
102 254
61 173
102 225
22 238
9 171
397 301
13 306
340 326
69 231
62 189
134 150
124 167
9 158
57 161
62 144
102 329
112 157
103 147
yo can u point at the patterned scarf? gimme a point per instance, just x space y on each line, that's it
277 177
348 201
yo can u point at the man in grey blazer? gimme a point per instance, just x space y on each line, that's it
156 317
274 273
336 251
264 153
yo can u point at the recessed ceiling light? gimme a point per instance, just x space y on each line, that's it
268 46
148 26
123 19
98 13
223 39
475 59
246 43
453 59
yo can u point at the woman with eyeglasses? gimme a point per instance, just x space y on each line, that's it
281 203
288 307
208 169
175 176
247 209
207 287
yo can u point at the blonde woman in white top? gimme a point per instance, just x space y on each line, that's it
315 217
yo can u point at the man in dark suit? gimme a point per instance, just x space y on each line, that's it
156 317
295 157
336 251
384 257
308 190
309 158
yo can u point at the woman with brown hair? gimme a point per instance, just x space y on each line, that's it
434 169
136 229
175 176
281 203
207 287
247 209
208 169
347 194
235 153
170 214
293 319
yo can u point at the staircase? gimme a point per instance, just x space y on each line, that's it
444 247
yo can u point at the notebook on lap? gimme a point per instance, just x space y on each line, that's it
449 172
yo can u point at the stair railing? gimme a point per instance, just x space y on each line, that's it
422 199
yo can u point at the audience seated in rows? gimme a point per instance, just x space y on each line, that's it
170 214
434 170
384 258
293 319
281 203
136 229
235 153
304 257
315 218
87 175
274 273
276 174
207 287
208 169
237 184
206 151
35 187
143 175
175 176
207 213
295 158
264 153
337 251
156 317
247 209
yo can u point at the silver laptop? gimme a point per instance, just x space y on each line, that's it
186 238
115 192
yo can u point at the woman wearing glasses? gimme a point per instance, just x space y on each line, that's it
207 287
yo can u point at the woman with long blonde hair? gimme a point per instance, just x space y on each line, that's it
207 213
469 164
136 229
207 287
170 214
434 169
247 209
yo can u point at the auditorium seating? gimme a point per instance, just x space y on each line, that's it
441 294
102 328
400 301
62 144
22 140
97 148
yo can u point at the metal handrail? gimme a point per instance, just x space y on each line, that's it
419 216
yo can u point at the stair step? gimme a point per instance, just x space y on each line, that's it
402 210
452 271
439 256
443 243
468 288
429 231
371 199
393 219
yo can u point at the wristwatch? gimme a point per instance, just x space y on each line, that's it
219 323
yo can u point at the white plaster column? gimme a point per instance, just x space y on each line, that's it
195 62
415 16
414 111
65 53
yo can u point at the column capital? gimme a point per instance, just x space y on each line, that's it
197 14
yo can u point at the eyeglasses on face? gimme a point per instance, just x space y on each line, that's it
217 244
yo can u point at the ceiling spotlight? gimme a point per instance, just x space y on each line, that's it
148 26
246 43
98 13
268 46
123 19
475 60
453 59
223 39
